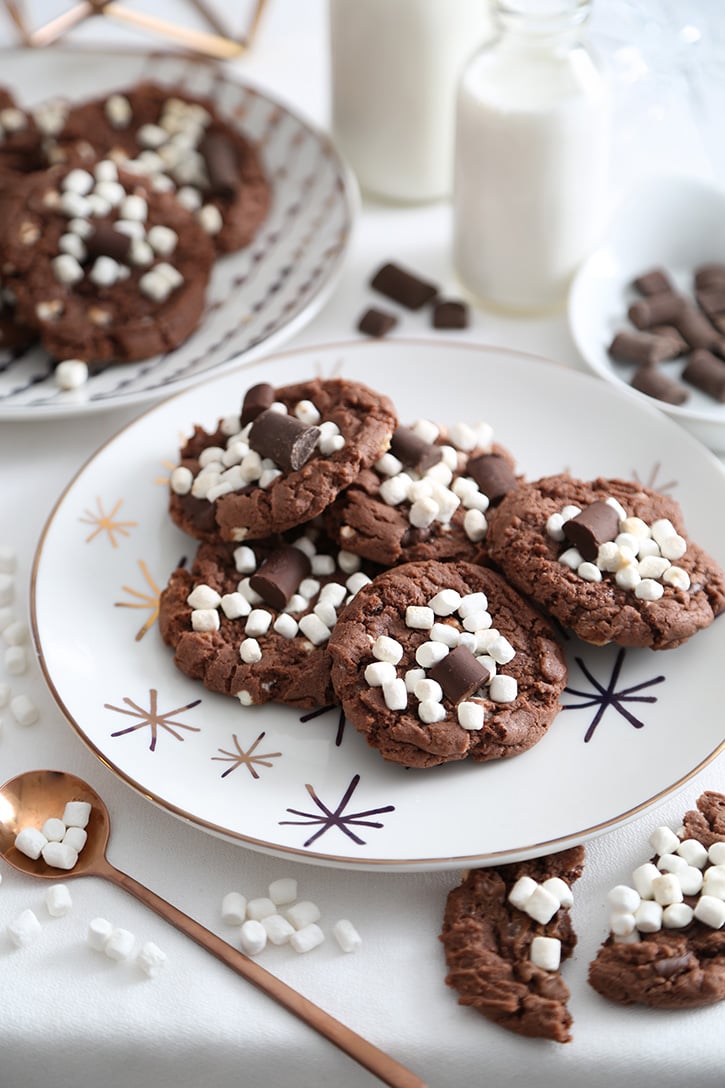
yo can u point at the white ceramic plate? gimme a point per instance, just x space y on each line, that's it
673 222
636 724
257 297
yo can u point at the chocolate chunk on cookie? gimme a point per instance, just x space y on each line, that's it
254 621
104 268
496 693
426 498
647 585
284 465
505 932
177 142
667 945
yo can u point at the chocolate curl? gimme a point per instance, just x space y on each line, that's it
596 523
643 347
284 439
256 400
654 282
279 576
654 383
106 241
661 309
459 673
222 167
706 372
409 448
493 474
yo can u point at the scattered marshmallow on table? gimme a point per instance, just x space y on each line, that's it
253 937
23 929
346 935
151 959
58 900
309 937
120 944
24 710
99 930
234 908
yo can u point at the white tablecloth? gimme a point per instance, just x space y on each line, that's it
70 1017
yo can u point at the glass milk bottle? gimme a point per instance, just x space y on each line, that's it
394 70
531 158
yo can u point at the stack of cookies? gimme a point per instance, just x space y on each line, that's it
112 214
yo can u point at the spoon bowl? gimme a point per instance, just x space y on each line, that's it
30 798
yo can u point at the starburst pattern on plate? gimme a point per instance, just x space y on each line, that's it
328 818
150 718
651 480
107 523
341 720
143 600
603 696
249 758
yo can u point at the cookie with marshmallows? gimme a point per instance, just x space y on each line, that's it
609 559
254 620
427 497
435 662
280 459
666 948
506 932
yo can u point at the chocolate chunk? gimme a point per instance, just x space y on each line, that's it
672 964
403 287
656 310
642 347
595 524
654 383
696 329
283 438
106 241
279 576
450 314
711 300
221 165
707 373
653 282
675 337
459 673
493 474
710 275
376 323
256 400
409 448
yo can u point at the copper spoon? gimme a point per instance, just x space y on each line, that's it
30 798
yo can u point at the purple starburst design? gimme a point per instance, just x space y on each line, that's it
603 696
328 818
324 710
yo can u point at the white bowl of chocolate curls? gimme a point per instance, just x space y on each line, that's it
647 309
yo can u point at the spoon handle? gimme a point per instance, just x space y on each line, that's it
387 1069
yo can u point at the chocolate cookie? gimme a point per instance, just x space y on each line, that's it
667 945
254 620
280 461
426 498
609 559
104 268
21 149
505 931
435 662
177 142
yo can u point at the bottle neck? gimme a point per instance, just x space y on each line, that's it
540 22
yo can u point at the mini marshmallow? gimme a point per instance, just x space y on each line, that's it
76 813
379 673
430 711
307 938
120 944
58 900
387 649
234 908
716 853
693 852
642 878
559 888
541 905
23 929
545 952
710 911
203 596
346 935
314 629
419 617
623 898
303 913
677 916
445 633
648 916
671 863
260 908
71 374
357 580
59 855
277 928
446 602
16 660
503 689
181 480
285 625
429 653
258 622
470 715
151 959
667 889
427 689
53 829
691 880
283 891
714 882
395 694
98 932
253 937
76 838
30 841
522 891
622 923
205 619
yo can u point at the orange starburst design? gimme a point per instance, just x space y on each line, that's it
152 720
248 758
143 600
107 523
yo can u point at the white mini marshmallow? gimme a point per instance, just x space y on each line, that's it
648 916
714 881
303 913
260 908
66 269
710 911
151 959
58 900
277 928
387 649
470 715
120 944
693 852
16 660
357 580
677 916
98 932
558 887
545 952
283 891
430 711
445 633
426 688
671 863
203 596
642 878
30 841
623 898
622 923
667 889
258 622
412 677
205 619
522 891
346 935
648 590
286 626
314 629
716 853
541 905
253 937
59 855
307 938
395 694
235 606
419 617
234 908
53 829
503 689
23 929
691 880
430 653
379 673
445 602
24 710
77 813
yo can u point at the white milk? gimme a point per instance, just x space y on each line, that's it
395 65
530 192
